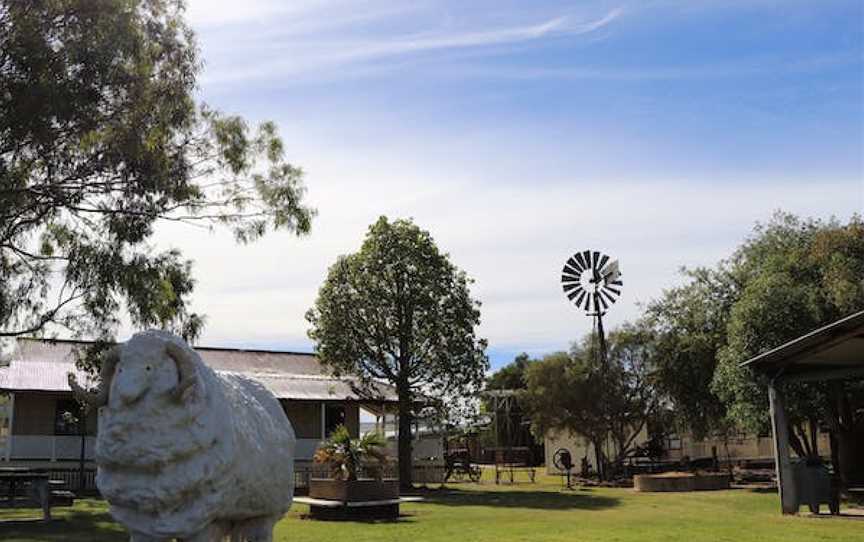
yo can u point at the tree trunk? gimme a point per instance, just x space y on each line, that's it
834 442
82 429
598 460
794 442
405 442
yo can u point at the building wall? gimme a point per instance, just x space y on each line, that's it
35 413
426 447
305 417
741 448
579 448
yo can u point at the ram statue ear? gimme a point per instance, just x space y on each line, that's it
186 370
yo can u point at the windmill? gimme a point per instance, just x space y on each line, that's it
592 283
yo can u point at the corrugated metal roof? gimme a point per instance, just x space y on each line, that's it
41 365
837 346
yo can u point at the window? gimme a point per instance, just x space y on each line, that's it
66 417
334 416
673 442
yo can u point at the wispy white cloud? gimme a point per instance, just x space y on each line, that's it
511 239
555 27
511 177
291 56
754 67
207 14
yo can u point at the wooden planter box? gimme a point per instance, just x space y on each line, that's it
681 482
354 491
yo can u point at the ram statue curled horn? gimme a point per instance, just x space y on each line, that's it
185 453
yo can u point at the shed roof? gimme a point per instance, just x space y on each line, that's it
42 365
835 350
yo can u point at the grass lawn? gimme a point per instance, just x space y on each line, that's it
530 512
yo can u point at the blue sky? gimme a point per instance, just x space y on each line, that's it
518 132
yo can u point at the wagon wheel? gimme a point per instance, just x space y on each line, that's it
562 459
452 470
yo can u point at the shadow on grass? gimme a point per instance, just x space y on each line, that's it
760 490
84 523
545 500
403 518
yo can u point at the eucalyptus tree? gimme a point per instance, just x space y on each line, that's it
793 275
689 325
608 404
102 137
789 277
399 311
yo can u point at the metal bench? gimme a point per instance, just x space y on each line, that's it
40 490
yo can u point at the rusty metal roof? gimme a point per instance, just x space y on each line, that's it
42 365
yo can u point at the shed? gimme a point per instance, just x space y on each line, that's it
834 354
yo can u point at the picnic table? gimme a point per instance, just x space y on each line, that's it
39 490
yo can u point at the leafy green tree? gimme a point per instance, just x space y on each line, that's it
579 394
632 402
794 275
101 139
789 277
510 376
689 327
399 311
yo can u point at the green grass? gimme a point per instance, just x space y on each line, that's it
530 512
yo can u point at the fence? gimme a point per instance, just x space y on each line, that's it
72 479
422 474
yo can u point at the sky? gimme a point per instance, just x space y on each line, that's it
658 132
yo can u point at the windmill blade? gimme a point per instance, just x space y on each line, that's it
574 294
617 283
587 256
579 299
608 296
575 265
588 302
596 259
569 278
571 270
613 290
580 260
572 286
602 263
603 301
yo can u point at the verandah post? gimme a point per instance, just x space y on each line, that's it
786 483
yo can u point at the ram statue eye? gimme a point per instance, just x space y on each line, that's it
147 368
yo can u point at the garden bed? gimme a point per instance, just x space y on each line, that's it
353 491
681 481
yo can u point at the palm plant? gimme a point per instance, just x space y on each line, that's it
345 455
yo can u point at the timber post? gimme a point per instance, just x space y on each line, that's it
786 483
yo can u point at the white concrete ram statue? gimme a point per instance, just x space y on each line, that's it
185 453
